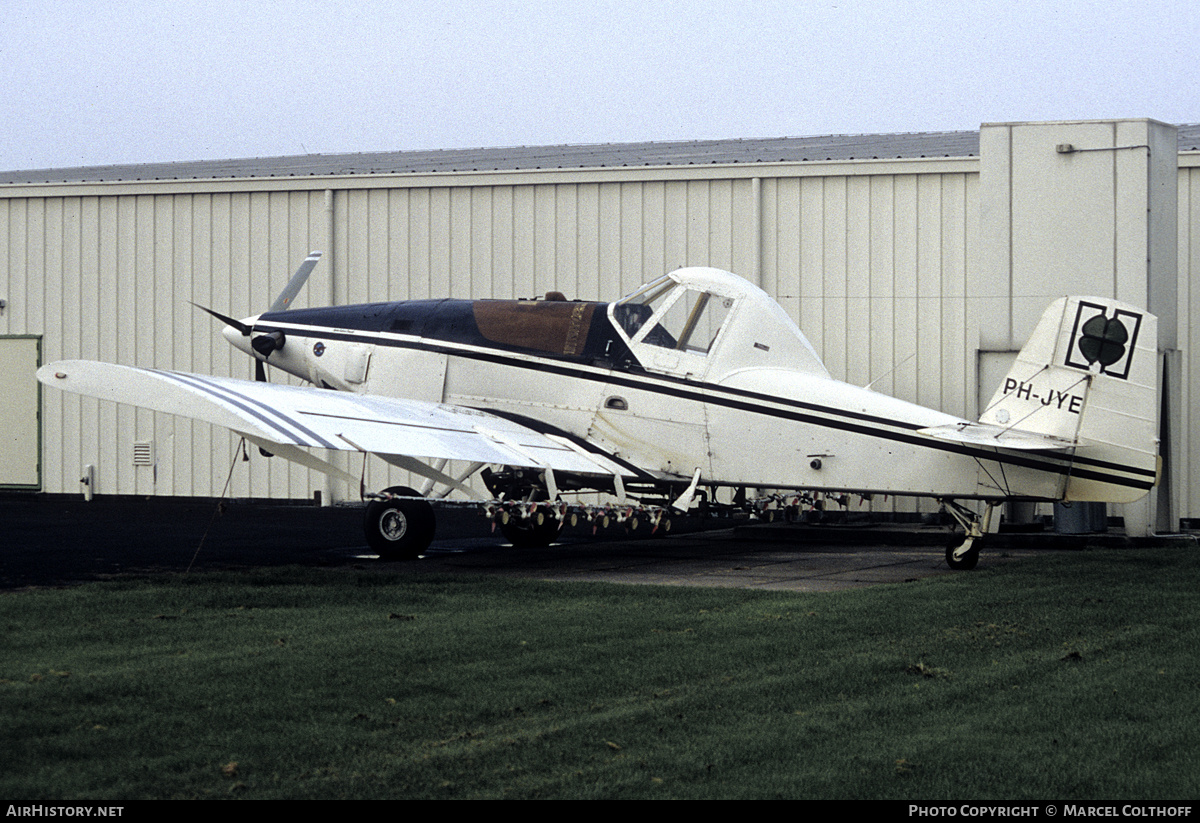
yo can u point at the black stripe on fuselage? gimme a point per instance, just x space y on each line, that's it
744 400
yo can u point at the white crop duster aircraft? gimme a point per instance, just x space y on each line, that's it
697 378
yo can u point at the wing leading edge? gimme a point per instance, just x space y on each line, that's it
319 418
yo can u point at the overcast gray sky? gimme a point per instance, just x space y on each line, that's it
88 83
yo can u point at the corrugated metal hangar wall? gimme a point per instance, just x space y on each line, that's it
876 259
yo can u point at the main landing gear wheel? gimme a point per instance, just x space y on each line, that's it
399 529
963 556
529 533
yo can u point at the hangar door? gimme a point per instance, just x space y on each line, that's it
20 439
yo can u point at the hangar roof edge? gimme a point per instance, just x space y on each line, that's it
914 145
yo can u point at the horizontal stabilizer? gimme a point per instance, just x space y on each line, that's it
983 434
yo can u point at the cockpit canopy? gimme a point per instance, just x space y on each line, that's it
707 323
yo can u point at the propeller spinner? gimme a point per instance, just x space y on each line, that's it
240 333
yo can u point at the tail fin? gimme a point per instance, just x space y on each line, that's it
1089 375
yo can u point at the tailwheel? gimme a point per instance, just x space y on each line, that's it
399 528
965 556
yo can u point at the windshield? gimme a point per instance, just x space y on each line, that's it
633 311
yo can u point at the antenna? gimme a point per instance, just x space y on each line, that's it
889 371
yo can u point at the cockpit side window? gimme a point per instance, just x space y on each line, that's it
691 323
669 315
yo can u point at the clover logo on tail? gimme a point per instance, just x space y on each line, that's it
1098 339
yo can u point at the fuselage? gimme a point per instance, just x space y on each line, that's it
740 396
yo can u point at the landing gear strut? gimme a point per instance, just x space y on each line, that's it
398 527
965 556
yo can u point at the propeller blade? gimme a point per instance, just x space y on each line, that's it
284 300
228 321
260 371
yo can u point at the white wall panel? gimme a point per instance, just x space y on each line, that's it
20 445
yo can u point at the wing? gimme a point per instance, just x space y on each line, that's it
321 418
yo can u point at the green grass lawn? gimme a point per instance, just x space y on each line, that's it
1062 677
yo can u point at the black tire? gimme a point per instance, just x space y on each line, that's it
529 534
965 563
399 529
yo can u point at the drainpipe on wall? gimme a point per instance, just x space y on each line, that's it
756 198
332 492
329 258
